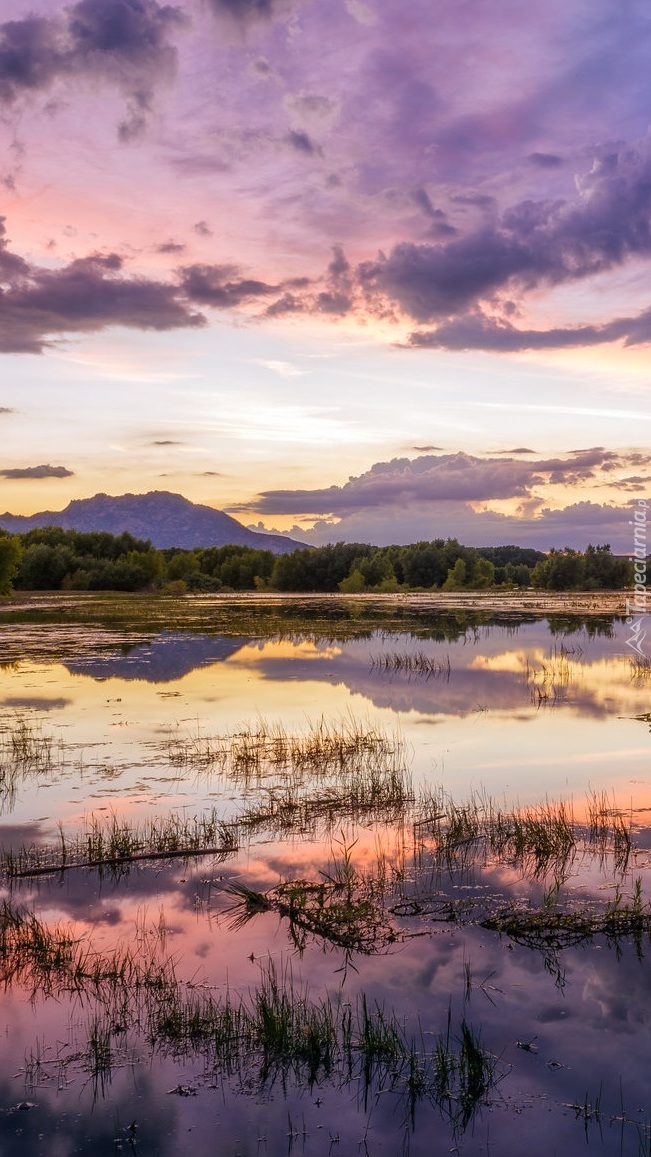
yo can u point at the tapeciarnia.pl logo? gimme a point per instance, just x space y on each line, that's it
636 608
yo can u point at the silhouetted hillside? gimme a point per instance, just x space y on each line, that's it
166 519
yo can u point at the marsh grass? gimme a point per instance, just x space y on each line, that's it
49 959
375 795
539 840
273 1032
549 679
380 794
113 842
412 663
25 751
262 749
25 747
542 842
277 1030
348 915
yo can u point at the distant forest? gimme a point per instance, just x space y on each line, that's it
51 559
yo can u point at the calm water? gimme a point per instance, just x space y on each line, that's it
513 711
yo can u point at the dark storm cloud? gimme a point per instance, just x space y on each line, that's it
448 477
126 43
533 243
87 295
37 472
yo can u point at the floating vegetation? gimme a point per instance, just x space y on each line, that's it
551 928
345 909
412 663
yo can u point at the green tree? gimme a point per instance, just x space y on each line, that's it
483 574
353 584
182 565
562 570
10 554
457 576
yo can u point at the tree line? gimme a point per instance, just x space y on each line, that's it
53 559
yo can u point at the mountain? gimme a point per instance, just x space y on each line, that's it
166 519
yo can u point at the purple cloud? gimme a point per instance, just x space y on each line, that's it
37 472
126 43
84 296
575 526
447 477
220 286
475 331
533 243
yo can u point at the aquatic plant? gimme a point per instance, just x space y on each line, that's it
412 663
112 842
261 749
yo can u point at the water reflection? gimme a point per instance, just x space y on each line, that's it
166 658
356 903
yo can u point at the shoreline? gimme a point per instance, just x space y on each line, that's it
610 603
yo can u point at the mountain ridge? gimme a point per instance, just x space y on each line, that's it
165 518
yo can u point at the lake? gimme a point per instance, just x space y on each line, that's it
323 880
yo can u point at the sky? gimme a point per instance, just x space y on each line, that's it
347 269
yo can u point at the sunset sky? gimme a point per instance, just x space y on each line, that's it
352 269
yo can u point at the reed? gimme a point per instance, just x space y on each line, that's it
264 749
412 663
112 842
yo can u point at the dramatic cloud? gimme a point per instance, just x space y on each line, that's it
87 295
126 43
37 472
575 526
477 332
530 244
219 286
449 477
